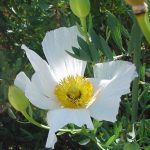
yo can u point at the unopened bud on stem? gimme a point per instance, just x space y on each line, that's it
80 8
17 99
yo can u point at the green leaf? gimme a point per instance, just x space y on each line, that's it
82 56
110 140
124 31
83 45
101 44
76 51
97 124
142 72
115 28
106 48
131 146
118 129
135 40
94 53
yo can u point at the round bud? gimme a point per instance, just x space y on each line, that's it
17 99
80 8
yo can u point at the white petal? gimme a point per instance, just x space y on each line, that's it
60 117
98 85
105 108
109 69
51 140
55 44
21 81
119 73
38 83
41 67
115 78
38 99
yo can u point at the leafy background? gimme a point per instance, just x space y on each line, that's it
27 21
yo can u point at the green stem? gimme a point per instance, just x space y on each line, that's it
135 87
31 120
135 99
98 143
84 28
144 24
144 91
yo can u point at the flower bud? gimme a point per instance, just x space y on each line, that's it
17 99
80 8
135 2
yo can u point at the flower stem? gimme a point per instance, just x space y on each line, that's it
135 87
135 99
98 143
31 120
144 24
84 28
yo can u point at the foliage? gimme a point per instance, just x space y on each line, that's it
115 35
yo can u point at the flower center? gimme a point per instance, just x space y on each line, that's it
74 92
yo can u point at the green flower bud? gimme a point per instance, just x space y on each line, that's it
135 2
131 146
17 99
80 8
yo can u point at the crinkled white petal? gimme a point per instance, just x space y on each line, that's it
38 99
119 73
21 81
58 118
41 67
110 69
115 78
55 44
105 108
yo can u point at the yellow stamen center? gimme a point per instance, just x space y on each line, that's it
74 92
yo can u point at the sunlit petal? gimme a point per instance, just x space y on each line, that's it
55 44
115 79
41 67
119 73
58 118
105 108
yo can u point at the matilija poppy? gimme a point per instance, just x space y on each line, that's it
59 85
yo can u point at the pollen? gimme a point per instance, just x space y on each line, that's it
74 92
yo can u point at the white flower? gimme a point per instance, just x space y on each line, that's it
59 86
